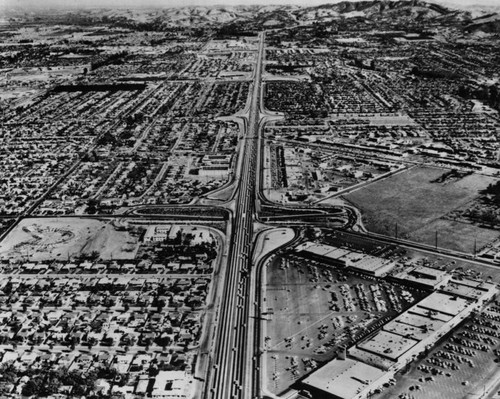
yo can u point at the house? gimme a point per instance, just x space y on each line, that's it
123 362
142 385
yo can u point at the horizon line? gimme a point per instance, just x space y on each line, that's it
160 4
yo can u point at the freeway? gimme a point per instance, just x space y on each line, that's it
229 375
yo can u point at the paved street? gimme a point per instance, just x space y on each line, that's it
228 374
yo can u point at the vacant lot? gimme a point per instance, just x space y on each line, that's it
41 239
454 235
413 202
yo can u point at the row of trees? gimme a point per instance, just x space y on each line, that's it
45 382
489 94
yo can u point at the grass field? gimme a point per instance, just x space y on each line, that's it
455 235
417 205
40 239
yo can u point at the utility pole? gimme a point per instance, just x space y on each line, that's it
396 231
436 239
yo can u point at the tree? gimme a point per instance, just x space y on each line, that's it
92 206
79 390
8 372
30 388
94 255
107 372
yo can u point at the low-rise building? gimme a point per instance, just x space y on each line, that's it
172 385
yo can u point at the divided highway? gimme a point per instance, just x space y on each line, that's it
228 375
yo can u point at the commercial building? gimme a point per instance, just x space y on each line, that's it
388 345
341 257
425 277
345 379
172 385
471 289
378 357
215 165
157 233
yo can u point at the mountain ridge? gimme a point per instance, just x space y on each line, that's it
401 11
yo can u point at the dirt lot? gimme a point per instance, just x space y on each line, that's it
416 204
41 239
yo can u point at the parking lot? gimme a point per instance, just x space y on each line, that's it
460 366
312 309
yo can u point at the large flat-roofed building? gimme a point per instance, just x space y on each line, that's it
471 289
215 165
444 303
341 257
157 233
430 313
372 359
414 326
323 253
344 379
402 339
409 333
324 250
427 277
172 384
339 253
371 265
388 345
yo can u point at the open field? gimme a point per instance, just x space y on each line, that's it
59 238
312 309
455 235
413 202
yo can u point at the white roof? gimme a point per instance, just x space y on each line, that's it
444 303
388 345
344 378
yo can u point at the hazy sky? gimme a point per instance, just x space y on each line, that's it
176 3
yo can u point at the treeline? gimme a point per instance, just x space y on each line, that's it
434 73
284 68
45 382
489 94
234 30
100 87
494 190
454 173
187 212
111 59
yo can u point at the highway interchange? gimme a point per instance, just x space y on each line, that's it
228 373
234 370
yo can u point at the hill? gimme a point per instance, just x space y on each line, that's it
273 16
